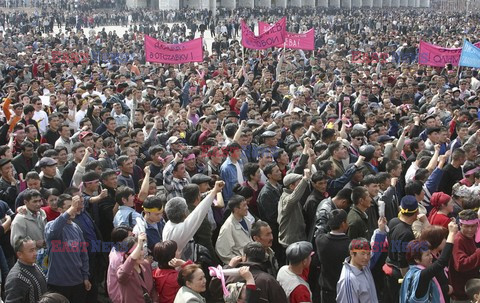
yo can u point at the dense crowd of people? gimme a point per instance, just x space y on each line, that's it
254 176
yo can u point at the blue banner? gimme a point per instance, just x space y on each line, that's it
470 55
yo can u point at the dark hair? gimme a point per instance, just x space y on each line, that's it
392 164
120 233
415 249
319 176
92 165
467 214
249 169
434 235
269 168
123 192
255 252
62 198
257 227
31 193
335 145
122 159
336 217
163 252
235 201
382 177
186 274
191 192
244 191
18 245
325 165
32 175
413 188
76 146
422 174
106 174
90 176
472 288
345 194
358 193
155 202
370 179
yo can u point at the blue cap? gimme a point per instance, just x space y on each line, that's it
408 205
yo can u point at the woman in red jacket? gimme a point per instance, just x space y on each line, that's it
442 207
165 276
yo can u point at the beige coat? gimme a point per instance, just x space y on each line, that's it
232 239
27 225
186 295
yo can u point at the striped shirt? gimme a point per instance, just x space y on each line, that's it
355 285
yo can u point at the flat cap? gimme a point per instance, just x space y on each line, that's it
290 179
298 251
47 161
200 178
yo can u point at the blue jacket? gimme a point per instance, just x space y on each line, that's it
67 253
228 173
410 285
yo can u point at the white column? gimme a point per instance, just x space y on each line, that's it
166 5
395 3
322 3
346 3
403 3
356 3
280 3
213 6
297 3
310 3
264 3
335 3
377 3
367 3
245 3
136 3
386 3
226 3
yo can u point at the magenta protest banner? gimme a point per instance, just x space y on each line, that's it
305 41
272 37
161 52
433 55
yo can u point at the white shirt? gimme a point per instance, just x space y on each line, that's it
42 120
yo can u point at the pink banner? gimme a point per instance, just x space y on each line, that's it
305 41
433 55
273 36
161 52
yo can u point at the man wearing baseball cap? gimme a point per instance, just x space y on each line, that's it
293 277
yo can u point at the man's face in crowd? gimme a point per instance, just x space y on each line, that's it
34 204
50 171
265 237
112 125
127 167
468 230
28 152
79 153
373 189
110 181
276 174
28 253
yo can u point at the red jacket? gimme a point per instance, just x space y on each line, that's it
464 265
166 283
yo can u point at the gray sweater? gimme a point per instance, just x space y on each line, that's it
290 216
